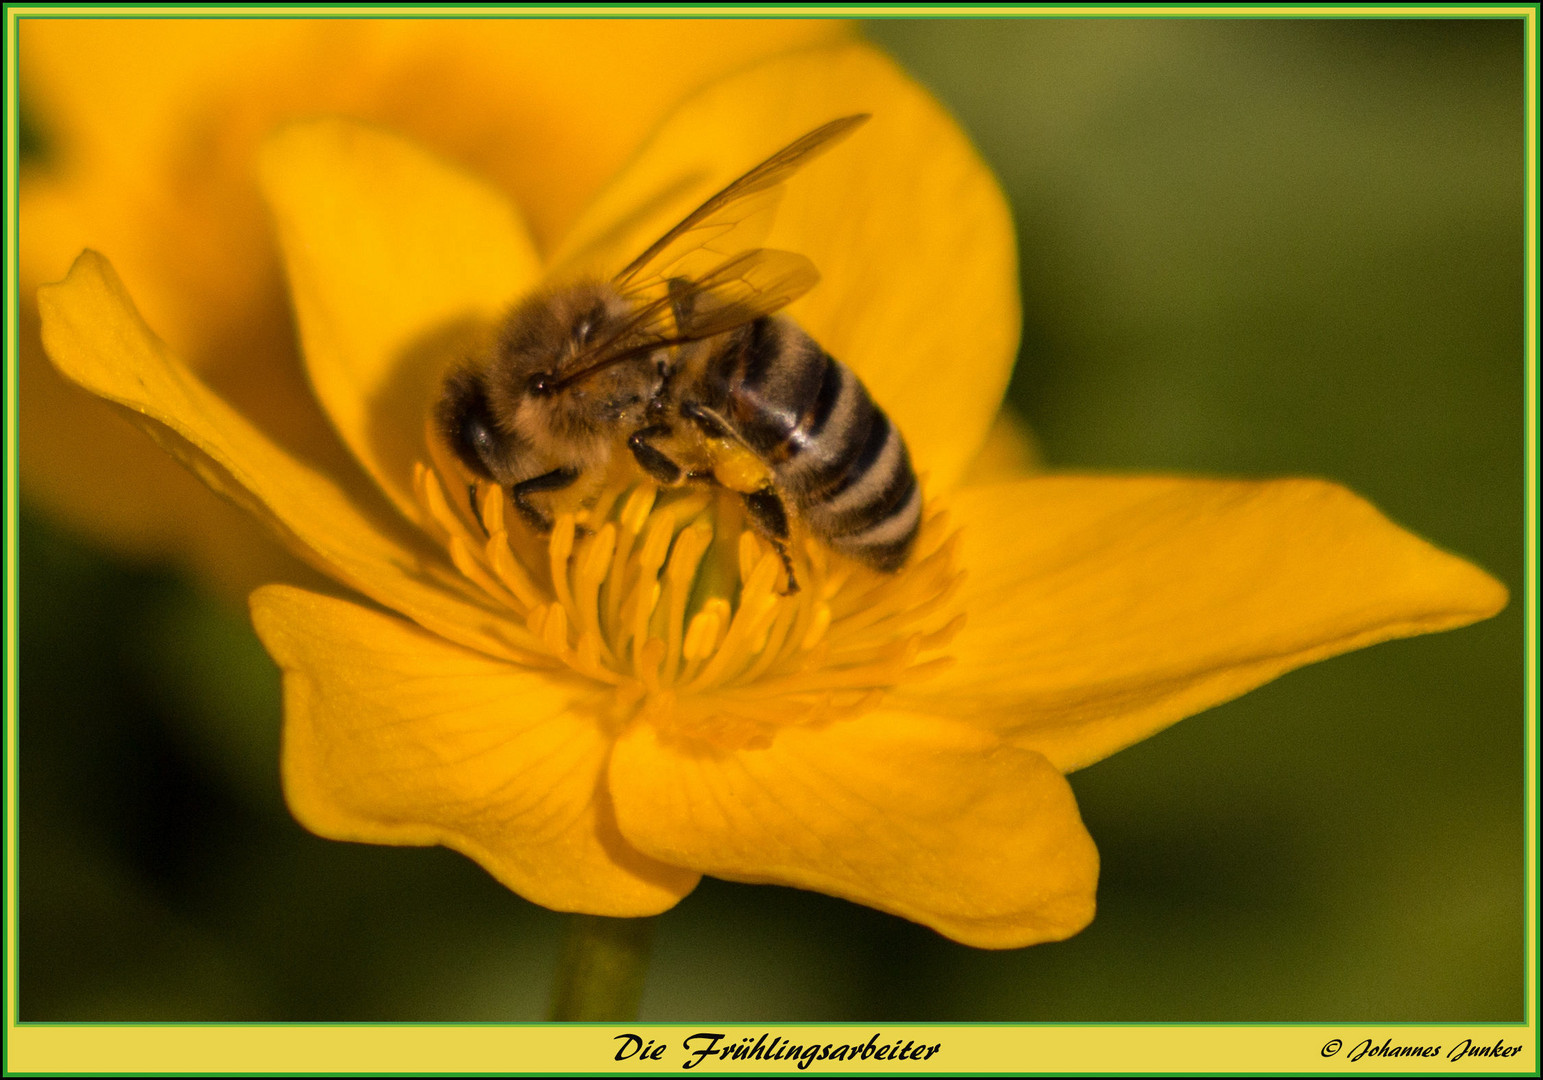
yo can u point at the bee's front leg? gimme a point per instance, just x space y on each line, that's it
662 468
520 494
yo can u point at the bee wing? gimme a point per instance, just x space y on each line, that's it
739 216
740 290
737 291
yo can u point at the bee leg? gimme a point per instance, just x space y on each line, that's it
771 521
476 511
520 494
650 458
705 419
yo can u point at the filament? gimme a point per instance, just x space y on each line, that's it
668 599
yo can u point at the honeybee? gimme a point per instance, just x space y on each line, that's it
681 359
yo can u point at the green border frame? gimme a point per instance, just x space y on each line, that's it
55 1048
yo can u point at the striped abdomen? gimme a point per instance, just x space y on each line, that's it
835 454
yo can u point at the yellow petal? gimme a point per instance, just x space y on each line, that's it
96 338
910 233
931 820
393 736
108 89
396 262
1010 452
1103 609
550 109
505 97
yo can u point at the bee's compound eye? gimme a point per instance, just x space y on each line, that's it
476 434
474 443
466 421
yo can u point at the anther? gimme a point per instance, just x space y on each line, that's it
636 592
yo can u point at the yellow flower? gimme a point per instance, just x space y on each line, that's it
601 716
151 134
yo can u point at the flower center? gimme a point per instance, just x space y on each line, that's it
671 601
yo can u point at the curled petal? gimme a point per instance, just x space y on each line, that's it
928 819
394 736
97 339
912 237
76 453
1103 609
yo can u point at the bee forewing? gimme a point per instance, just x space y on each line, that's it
740 290
696 251
740 215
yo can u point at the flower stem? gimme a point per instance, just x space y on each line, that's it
600 972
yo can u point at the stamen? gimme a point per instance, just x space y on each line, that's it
511 572
558 550
750 552
471 566
817 627
431 496
771 644
756 604
689 548
705 634
554 629
632 520
674 605
491 507
593 565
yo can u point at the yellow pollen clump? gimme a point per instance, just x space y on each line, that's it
665 597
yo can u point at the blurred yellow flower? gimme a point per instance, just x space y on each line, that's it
151 130
602 716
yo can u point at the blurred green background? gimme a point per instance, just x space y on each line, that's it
1258 248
